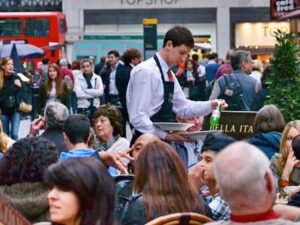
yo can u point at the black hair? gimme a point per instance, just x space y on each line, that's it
114 52
77 128
88 178
26 161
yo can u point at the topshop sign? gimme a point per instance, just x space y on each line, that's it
149 2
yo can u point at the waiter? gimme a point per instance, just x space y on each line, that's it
154 94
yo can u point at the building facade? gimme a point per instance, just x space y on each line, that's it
96 26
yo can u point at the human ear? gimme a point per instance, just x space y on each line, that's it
169 44
269 181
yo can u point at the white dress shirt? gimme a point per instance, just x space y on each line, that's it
145 95
112 81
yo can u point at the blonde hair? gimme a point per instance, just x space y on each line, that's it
282 158
4 139
3 62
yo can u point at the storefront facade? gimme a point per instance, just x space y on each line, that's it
96 26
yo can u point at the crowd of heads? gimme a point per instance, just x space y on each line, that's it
83 191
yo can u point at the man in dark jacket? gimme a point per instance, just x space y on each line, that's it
54 117
110 79
132 57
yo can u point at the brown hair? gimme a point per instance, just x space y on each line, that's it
268 118
161 177
3 62
281 161
58 81
131 53
113 114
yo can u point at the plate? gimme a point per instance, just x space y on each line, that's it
200 135
173 126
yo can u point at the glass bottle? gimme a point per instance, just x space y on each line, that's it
215 116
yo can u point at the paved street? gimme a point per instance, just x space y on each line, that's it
24 128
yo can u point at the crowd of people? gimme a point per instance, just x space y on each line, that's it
70 168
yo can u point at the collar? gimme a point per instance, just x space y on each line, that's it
116 66
239 73
163 65
103 147
269 215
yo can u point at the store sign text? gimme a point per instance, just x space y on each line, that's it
149 2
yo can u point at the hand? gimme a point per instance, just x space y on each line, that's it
214 104
114 159
17 83
35 126
287 212
177 136
197 177
289 165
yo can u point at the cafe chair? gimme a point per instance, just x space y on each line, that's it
186 218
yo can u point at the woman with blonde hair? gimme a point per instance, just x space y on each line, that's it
54 89
10 87
285 166
5 141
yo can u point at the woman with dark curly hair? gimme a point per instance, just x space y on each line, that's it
107 122
160 185
82 192
54 89
21 176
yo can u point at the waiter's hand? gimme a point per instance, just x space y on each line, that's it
177 136
214 103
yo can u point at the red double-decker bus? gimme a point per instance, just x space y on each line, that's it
42 29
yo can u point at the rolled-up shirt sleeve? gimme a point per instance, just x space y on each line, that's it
186 108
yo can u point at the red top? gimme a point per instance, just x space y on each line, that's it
269 215
65 71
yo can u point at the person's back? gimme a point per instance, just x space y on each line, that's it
249 195
64 71
212 67
21 177
77 132
55 115
247 84
237 89
268 126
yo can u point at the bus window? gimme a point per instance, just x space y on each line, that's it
62 26
36 27
10 27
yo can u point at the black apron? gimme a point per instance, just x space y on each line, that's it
165 114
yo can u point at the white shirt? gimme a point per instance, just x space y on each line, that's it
256 75
145 95
112 81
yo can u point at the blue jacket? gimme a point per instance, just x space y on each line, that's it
76 153
268 142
